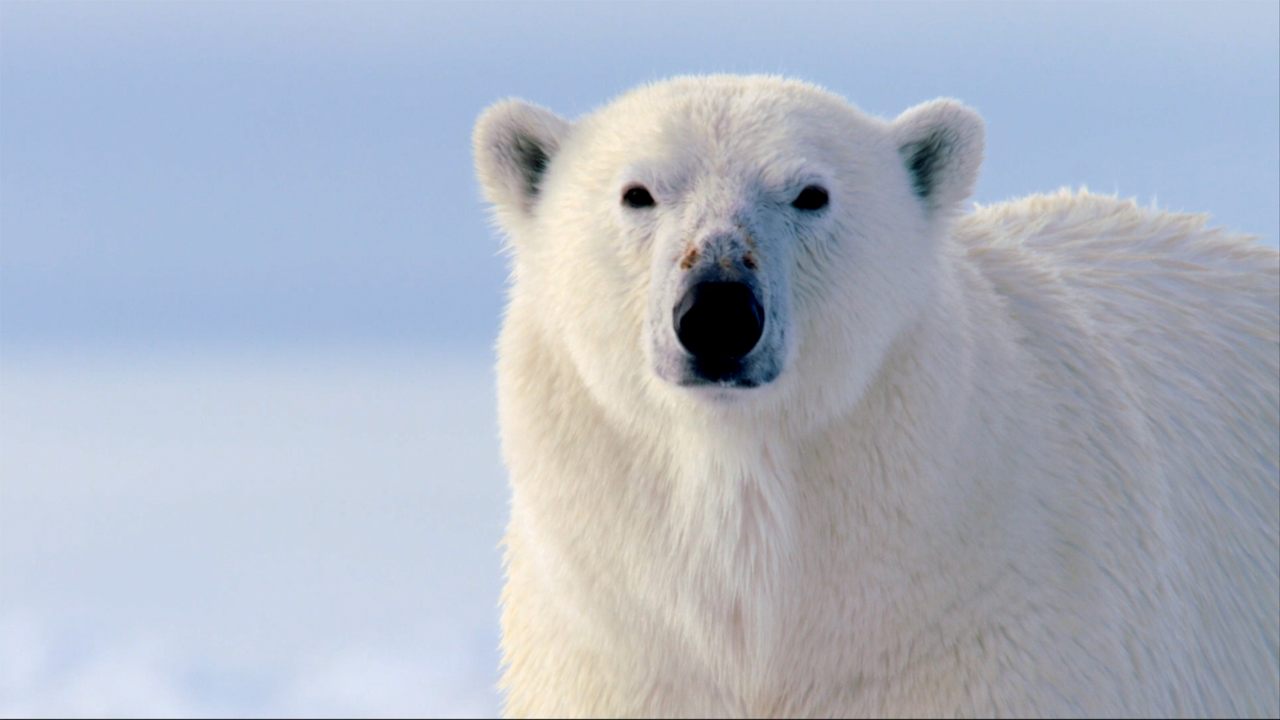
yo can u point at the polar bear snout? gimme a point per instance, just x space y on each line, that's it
719 323
723 330
718 317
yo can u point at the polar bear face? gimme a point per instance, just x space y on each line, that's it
725 242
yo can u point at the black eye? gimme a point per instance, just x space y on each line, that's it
637 197
810 198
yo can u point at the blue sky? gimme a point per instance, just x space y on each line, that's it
300 173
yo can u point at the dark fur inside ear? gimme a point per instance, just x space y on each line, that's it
515 144
531 159
926 160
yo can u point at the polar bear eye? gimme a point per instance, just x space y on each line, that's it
810 198
637 197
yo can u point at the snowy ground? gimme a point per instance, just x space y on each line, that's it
304 533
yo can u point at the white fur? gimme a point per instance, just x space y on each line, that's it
1021 461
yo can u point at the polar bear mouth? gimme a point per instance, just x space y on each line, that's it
720 324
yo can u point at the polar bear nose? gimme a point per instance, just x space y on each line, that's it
719 320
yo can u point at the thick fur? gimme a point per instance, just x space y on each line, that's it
1021 461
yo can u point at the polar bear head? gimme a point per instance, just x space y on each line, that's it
725 242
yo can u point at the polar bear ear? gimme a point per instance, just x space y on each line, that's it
514 143
941 144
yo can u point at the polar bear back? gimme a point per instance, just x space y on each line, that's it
1190 316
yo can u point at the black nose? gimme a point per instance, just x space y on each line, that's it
719 320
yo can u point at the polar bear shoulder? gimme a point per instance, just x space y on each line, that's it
1188 315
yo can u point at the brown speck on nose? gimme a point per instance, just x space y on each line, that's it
690 257
726 262
749 260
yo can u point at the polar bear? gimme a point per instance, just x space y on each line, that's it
791 433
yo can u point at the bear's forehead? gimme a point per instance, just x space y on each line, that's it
727 111
725 120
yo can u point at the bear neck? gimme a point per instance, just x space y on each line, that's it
751 505
741 537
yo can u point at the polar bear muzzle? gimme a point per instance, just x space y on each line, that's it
722 326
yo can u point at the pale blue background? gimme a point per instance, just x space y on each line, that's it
248 291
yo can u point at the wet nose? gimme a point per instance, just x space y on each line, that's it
719 320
